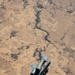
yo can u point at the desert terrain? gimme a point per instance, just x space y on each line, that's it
31 27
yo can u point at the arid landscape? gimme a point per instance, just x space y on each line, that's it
31 27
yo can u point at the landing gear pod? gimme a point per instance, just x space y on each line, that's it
37 70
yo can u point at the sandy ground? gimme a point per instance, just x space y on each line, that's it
31 27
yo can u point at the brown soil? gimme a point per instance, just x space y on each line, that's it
31 27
